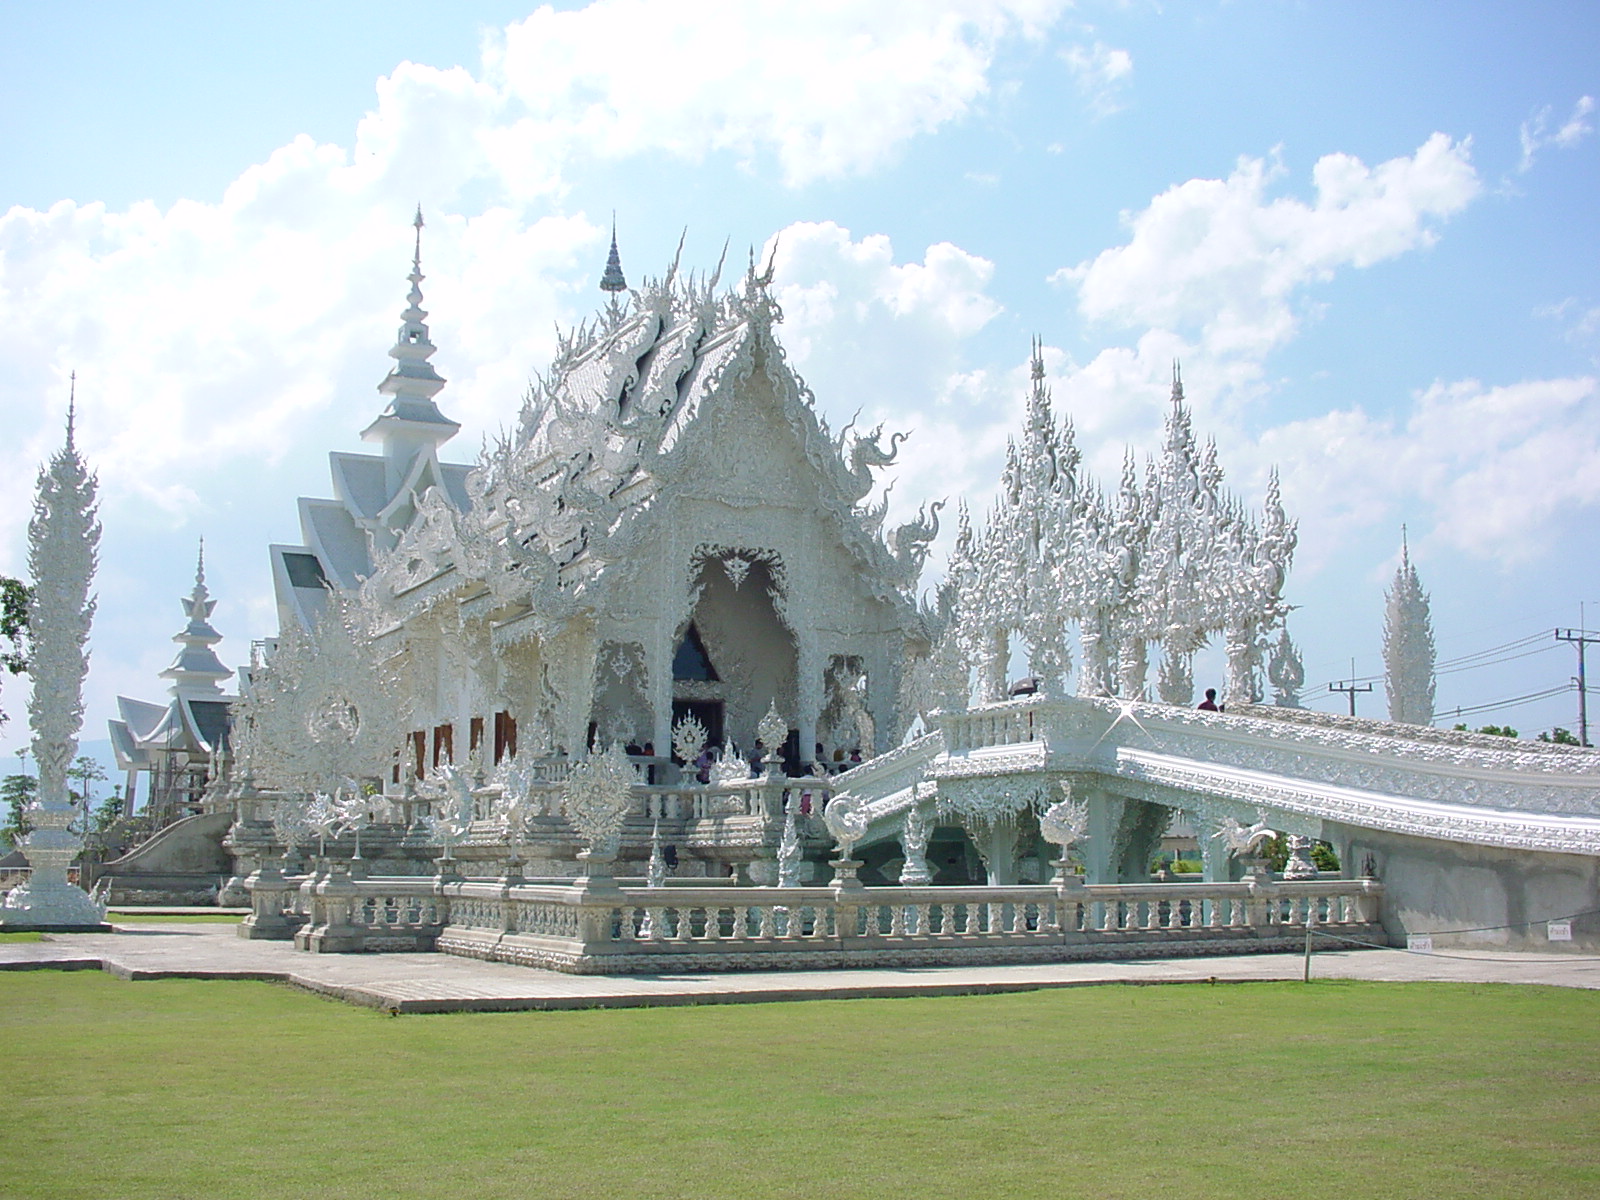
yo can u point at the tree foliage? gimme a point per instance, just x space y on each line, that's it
14 596
1561 737
1493 730
16 793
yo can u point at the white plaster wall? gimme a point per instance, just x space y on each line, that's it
1504 897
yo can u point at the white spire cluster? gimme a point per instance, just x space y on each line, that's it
1170 559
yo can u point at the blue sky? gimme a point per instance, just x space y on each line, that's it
1369 230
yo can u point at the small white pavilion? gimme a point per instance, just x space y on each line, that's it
177 744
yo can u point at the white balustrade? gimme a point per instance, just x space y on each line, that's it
613 925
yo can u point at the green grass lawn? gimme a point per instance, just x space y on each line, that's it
195 1089
126 917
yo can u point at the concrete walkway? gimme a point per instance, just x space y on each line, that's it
444 983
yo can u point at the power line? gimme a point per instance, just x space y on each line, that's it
1495 705
1516 644
1492 662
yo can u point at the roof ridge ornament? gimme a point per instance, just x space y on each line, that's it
613 280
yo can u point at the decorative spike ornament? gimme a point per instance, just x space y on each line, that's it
1286 672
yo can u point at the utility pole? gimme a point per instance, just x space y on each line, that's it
1351 689
1580 638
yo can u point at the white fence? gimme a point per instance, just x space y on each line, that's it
595 926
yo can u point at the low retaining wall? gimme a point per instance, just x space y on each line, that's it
595 927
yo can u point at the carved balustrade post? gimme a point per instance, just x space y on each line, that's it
267 888
1261 894
332 929
848 893
1072 902
1368 900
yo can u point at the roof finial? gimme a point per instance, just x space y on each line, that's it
1405 546
200 567
761 282
1036 369
416 257
72 406
613 280
716 276
1177 381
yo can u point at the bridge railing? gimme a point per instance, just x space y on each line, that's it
1006 724
594 926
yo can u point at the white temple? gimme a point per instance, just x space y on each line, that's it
500 690
177 746
671 531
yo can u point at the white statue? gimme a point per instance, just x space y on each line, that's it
846 820
1242 839
914 834
1066 822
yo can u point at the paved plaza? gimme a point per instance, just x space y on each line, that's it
444 983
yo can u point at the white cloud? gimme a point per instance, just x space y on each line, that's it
209 334
216 343
1495 469
1101 73
1535 133
1580 323
1220 257
890 339
908 314
830 88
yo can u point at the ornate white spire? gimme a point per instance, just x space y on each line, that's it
196 671
412 421
63 547
1408 653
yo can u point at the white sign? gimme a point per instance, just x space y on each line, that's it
1559 931
1421 944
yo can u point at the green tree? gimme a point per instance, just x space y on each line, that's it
108 812
1495 730
1560 737
17 792
87 772
13 627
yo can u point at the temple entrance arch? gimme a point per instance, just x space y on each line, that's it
735 650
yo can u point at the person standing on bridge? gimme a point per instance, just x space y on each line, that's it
1209 704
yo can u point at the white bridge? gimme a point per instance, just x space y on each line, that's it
1465 830
1464 838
